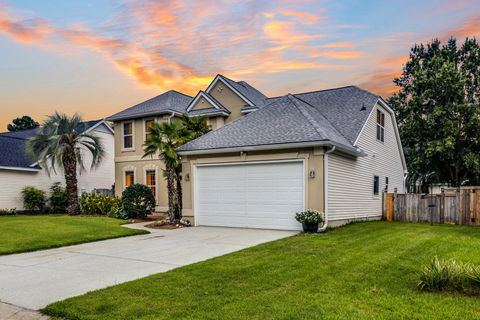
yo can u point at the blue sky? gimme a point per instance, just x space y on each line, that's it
99 57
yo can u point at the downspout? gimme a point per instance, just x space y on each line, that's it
325 187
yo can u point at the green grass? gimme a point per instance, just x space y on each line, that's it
361 271
29 233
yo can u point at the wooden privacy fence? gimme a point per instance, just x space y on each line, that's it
458 207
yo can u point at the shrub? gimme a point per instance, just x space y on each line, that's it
93 203
8 212
138 201
449 275
309 216
58 200
33 199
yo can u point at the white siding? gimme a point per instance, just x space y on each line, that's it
350 181
12 182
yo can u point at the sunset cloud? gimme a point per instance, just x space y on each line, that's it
278 45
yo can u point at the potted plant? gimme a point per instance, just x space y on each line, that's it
309 219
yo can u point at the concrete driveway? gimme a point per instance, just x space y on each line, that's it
33 280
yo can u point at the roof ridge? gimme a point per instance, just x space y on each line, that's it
304 112
186 95
322 90
318 110
10 137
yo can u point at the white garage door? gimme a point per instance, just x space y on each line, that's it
257 195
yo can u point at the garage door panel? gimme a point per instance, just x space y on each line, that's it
250 195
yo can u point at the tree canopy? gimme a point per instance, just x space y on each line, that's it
438 112
22 123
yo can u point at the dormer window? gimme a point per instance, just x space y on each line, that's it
380 126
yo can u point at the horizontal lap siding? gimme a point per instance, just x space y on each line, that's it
12 182
350 181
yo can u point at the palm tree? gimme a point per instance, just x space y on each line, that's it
165 137
61 142
197 126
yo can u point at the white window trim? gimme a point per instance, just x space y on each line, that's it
124 170
379 125
123 135
153 168
145 127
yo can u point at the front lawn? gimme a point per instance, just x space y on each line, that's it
361 271
29 233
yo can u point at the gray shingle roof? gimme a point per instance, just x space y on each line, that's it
335 115
12 145
12 153
25 134
249 92
168 102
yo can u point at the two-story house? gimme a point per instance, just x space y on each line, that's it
223 101
331 150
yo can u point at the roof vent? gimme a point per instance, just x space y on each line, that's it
363 108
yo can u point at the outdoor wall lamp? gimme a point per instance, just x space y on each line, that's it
311 174
187 177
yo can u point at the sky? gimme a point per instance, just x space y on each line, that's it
99 57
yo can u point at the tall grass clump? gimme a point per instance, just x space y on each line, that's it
450 275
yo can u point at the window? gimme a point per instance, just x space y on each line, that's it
128 135
151 181
129 178
376 185
148 126
380 126
386 184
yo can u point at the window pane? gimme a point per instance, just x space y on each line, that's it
382 131
148 126
128 142
151 180
382 119
127 128
129 178
376 185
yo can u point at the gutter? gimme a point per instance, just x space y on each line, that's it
19 169
327 143
325 187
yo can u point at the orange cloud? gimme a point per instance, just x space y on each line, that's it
27 31
305 17
284 32
336 54
338 45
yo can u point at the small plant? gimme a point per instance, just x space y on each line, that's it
58 200
449 275
119 213
33 199
8 212
138 201
309 219
93 203
309 216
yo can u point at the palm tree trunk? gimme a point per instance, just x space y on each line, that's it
179 194
70 169
171 189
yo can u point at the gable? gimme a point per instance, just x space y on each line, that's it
391 147
200 104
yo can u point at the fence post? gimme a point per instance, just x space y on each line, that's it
384 207
442 206
395 204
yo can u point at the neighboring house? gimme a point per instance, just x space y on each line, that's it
18 170
331 150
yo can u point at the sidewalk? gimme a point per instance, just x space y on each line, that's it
11 312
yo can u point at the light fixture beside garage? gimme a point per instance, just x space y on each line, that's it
187 177
311 174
